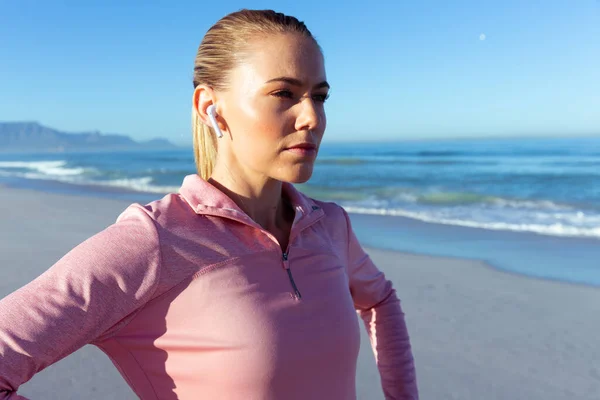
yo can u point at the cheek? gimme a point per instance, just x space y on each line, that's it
258 135
268 127
260 119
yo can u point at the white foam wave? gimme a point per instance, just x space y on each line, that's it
31 164
51 168
142 184
139 184
441 198
529 204
553 229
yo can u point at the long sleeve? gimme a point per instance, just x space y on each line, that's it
86 296
377 304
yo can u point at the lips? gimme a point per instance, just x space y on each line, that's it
307 146
305 150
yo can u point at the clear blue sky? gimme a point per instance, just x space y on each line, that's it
403 70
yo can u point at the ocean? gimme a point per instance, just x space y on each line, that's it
545 189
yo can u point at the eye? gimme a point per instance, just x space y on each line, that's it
321 97
284 94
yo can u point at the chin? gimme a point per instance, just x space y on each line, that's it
298 175
302 179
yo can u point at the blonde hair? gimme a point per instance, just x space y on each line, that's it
221 49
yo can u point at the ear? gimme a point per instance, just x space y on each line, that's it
203 97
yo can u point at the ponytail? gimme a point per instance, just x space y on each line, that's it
205 146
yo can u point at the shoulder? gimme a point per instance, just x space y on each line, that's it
154 231
148 225
164 219
162 211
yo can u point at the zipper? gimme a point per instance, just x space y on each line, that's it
286 264
296 295
244 219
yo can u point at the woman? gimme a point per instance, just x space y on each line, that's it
239 286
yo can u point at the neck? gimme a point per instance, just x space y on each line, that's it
261 200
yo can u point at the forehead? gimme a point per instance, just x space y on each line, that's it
290 55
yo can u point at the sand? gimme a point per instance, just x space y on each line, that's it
477 333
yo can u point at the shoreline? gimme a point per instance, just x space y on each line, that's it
483 264
527 254
551 251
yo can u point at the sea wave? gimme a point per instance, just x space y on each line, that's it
54 168
417 196
448 198
143 184
552 229
58 171
529 204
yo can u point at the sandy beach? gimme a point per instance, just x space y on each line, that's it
477 332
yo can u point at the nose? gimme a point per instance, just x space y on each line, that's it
311 116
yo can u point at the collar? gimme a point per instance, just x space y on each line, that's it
206 199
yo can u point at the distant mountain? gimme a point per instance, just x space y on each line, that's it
36 137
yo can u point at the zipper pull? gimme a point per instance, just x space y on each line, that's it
286 265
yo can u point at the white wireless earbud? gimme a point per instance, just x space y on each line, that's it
212 114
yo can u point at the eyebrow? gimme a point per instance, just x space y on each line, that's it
297 82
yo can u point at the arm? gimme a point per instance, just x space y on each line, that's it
85 296
377 304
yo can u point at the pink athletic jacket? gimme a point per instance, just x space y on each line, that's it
192 299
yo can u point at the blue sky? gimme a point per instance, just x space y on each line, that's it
407 70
